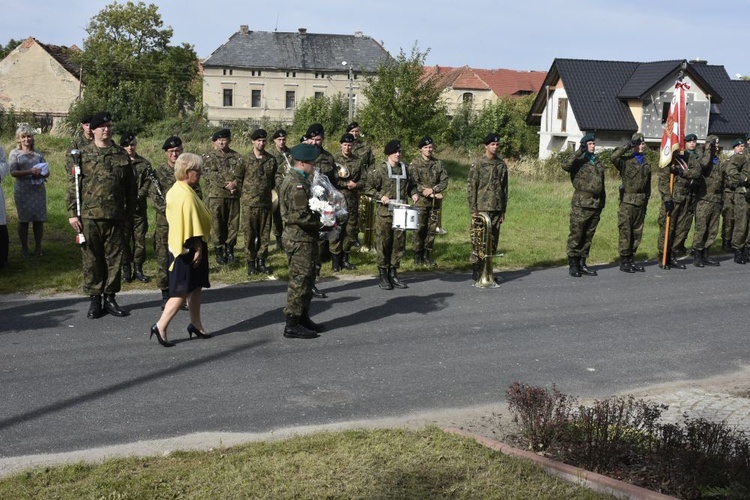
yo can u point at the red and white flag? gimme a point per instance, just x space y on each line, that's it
674 130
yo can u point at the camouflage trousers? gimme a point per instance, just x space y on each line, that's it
424 237
102 256
494 239
707 215
682 228
727 217
349 228
301 255
225 221
741 222
682 217
630 219
134 249
161 249
583 222
389 243
257 223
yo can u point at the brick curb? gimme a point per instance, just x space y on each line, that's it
590 480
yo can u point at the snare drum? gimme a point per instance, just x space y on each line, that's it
405 218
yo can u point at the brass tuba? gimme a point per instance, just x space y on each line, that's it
481 246
367 222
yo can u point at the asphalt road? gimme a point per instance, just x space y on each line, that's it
69 383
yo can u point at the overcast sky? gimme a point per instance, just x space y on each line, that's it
521 34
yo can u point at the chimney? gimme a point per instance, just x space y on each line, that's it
358 34
244 30
302 31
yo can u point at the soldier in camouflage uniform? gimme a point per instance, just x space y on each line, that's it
256 178
351 178
364 152
134 249
487 191
430 180
708 206
107 196
280 152
727 209
300 240
635 191
587 176
389 181
738 177
220 167
83 138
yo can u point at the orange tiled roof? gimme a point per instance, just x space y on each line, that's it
503 82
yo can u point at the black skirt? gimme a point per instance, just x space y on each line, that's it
184 278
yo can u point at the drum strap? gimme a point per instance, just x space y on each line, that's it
398 178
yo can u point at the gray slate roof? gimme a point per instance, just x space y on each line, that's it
298 51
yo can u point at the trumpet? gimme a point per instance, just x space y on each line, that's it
481 245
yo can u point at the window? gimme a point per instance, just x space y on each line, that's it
255 103
290 99
227 97
255 73
562 113
468 97
319 95
665 111
293 74
229 70
320 75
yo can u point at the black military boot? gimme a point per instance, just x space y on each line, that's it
262 268
138 274
739 258
164 298
668 260
127 273
336 262
385 283
697 258
585 270
475 268
95 308
219 255
346 264
294 330
305 321
674 263
573 268
427 258
636 267
251 268
417 257
231 259
726 245
708 261
625 265
110 305
393 278
317 293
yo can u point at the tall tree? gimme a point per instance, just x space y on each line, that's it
8 47
402 103
331 112
130 69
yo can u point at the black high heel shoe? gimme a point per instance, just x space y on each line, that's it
193 330
155 331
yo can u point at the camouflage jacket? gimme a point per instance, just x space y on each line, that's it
301 223
738 172
428 174
587 176
379 184
356 171
142 182
487 185
284 163
79 142
365 154
685 182
107 187
711 182
219 168
635 175
256 178
327 166
157 191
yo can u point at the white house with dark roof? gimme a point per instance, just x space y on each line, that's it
615 99
262 75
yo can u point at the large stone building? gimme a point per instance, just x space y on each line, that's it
260 75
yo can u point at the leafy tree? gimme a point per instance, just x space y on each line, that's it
506 117
331 112
401 103
130 69
8 47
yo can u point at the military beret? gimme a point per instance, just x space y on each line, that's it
637 138
347 138
100 119
492 137
691 137
425 141
304 152
586 138
738 142
314 130
224 133
393 146
279 133
712 138
127 139
259 134
86 119
172 142
351 126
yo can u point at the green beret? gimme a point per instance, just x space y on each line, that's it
279 133
304 152
738 142
637 138
491 137
127 139
100 119
691 137
224 133
586 138
314 130
347 138
259 134
425 141
392 147
171 143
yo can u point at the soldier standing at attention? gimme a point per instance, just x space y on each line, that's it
107 195
708 206
300 240
83 138
487 191
134 249
280 153
220 167
727 209
364 152
635 191
587 177
738 176
431 181
389 181
350 177
256 178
